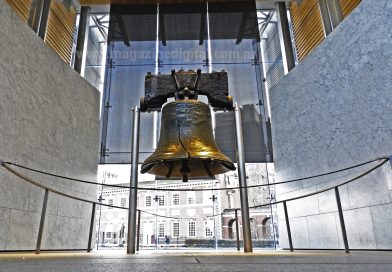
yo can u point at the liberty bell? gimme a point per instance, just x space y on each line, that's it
186 147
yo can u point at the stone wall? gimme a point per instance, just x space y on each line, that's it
49 120
333 111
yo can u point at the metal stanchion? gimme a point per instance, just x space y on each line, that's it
82 39
237 230
42 222
134 177
286 216
138 230
90 235
341 219
242 180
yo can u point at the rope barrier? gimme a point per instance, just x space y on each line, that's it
190 190
29 180
317 192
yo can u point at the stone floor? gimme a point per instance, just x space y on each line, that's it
275 261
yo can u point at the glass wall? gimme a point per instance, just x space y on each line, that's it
158 39
131 55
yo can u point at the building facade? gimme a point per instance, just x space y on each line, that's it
182 215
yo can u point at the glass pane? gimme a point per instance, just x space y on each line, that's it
131 54
182 37
126 88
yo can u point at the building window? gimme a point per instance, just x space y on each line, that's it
148 201
191 198
176 199
110 202
176 229
123 202
108 235
161 200
161 230
207 229
192 229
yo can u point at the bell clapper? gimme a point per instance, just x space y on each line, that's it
185 170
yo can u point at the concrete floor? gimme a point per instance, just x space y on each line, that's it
274 261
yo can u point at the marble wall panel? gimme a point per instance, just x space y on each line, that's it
22 230
49 120
55 232
329 113
359 227
382 222
299 232
323 232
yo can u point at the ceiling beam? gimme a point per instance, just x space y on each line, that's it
241 30
203 21
162 29
123 30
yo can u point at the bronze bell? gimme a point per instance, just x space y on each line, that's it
186 146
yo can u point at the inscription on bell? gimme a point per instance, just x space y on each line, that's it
184 115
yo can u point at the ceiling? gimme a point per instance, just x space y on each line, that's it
263 4
103 6
106 2
227 21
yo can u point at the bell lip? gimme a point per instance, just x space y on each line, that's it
147 166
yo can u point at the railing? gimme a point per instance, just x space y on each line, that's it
7 166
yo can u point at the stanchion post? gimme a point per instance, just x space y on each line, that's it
286 216
133 184
237 230
341 219
42 222
138 230
242 180
90 234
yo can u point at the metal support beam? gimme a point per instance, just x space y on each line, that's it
237 230
284 37
138 230
162 29
123 30
35 14
335 12
90 234
286 216
331 14
42 222
38 16
83 32
341 219
244 20
327 24
203 31
134 180
240 154
100 27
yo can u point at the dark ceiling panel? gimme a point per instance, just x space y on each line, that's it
132 23
143 2
182 22
233 20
